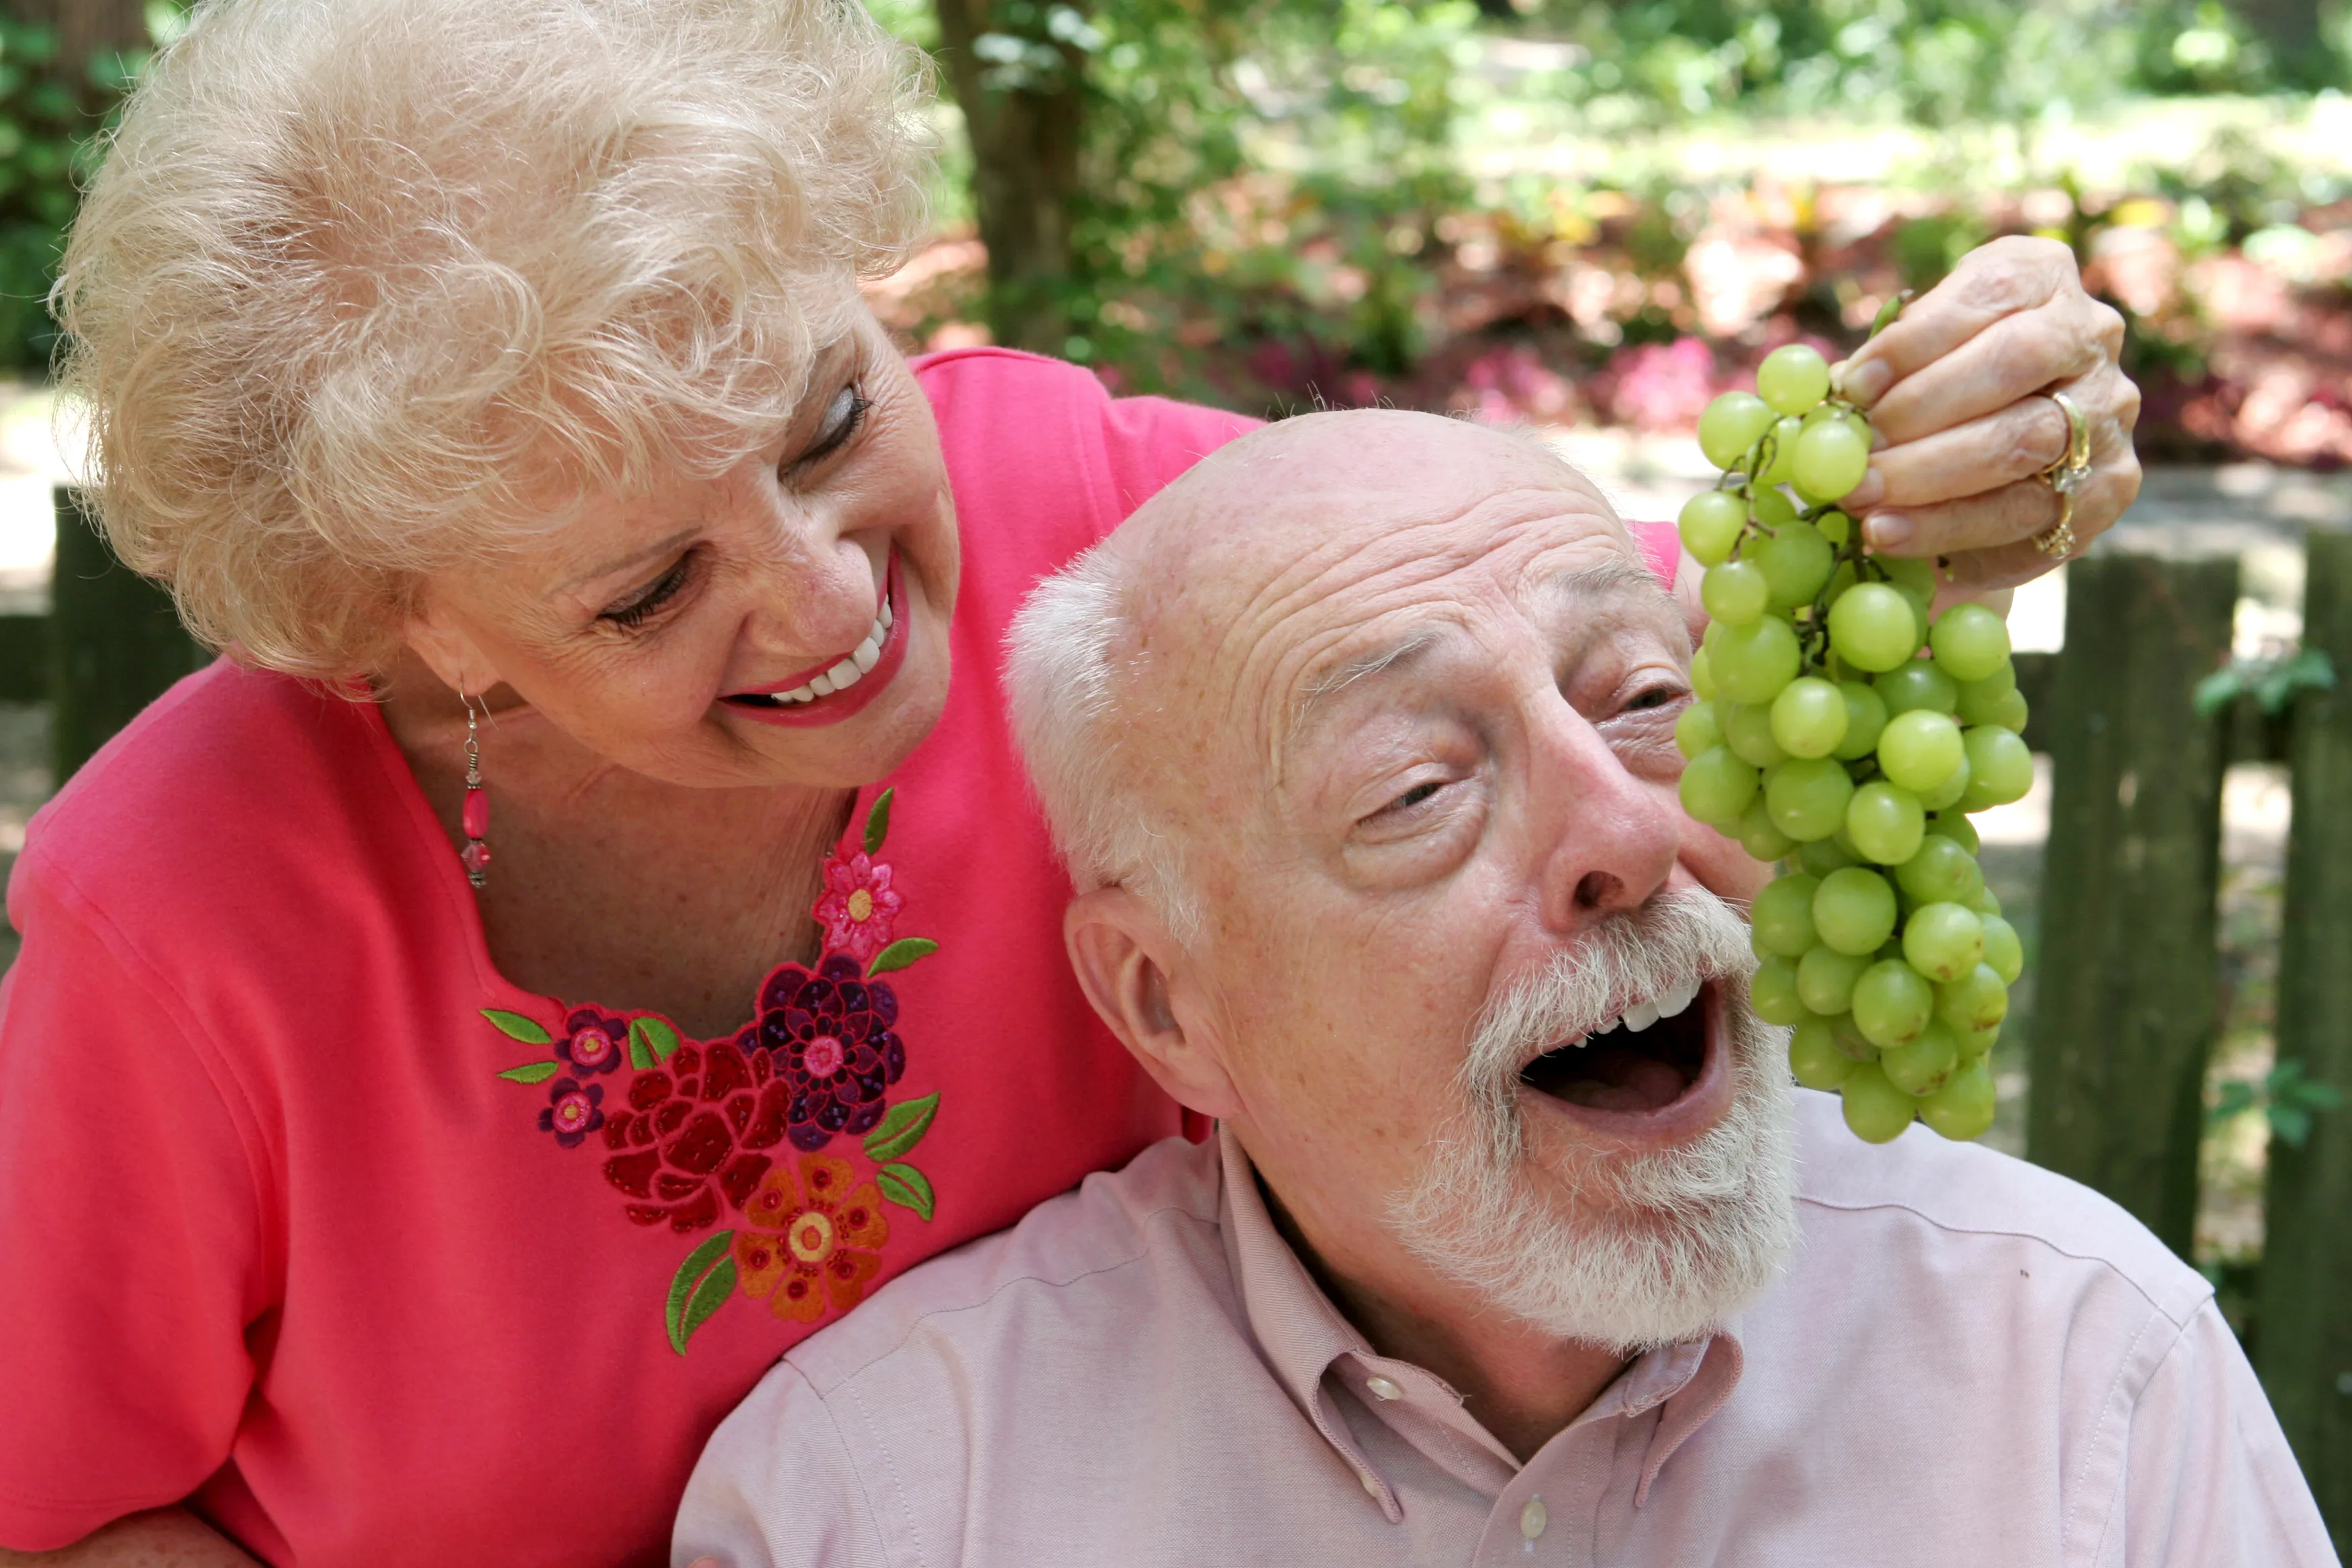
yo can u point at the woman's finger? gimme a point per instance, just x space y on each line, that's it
2011 359
2018 513
2012 443
1994 280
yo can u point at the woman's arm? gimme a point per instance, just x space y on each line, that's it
164 1538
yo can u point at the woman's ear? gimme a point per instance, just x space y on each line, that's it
448 650
1133 972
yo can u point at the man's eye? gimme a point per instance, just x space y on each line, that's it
843 416
1413 797
658 593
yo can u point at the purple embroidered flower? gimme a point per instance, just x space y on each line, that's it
830 1033
572 1110
593 1042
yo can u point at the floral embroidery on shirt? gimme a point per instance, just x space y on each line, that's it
701 1128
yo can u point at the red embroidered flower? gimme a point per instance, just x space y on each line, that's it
592 1041
858 908
812 1242
571 1111
834 1046
691 1134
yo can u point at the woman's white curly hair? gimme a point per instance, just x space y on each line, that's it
364 286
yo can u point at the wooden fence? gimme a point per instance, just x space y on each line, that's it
2126 1011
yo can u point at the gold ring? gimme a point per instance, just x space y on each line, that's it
2058 542
2069 474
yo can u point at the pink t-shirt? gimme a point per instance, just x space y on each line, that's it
311 1217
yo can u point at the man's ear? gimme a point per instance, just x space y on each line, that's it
1130 969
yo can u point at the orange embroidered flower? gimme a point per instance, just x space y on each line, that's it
809 1243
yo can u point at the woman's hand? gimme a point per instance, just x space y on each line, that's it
1956 388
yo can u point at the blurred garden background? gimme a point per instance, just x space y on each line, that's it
1589 218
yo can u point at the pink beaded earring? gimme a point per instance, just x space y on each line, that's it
476 820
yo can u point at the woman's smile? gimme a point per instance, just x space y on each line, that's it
843 687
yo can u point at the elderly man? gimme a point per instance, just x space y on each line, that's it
1513 1243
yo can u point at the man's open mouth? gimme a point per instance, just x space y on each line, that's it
1646 1058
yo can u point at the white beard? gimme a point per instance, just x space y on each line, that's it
1688 1235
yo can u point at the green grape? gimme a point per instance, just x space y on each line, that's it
1702 675
1710 525
1796 561
1814 1057
1942 872
1782 916
1836 526
1865 718
1963 1108
1842 580
1747 730
1731 424
1943 942
1971 642
1735 592
1975 1043
1772 508
1892 1002
1783 466
1851 1040
1912 577
1716 786
1792 379
1920 750
1696 728
1885 823
2004 955
1758 838
1985 903
1956 826
1751 663
1823 856
1921 1064
1982 701
1808 798
1831 459
1825 977
1873 627
1949 793
1976 1000
2001 769
1809 716
1876 1111
1914 684
1773 993
1854 910
2010 712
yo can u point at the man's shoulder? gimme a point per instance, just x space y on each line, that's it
1957 1194
1083 1269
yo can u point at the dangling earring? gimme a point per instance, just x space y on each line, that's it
475 818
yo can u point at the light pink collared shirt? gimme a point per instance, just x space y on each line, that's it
1971 1361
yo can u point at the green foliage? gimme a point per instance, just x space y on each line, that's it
2287 1098
2272 681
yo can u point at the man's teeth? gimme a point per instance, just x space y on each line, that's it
1668 1004
850 670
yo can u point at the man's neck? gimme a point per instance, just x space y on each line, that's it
1522 1384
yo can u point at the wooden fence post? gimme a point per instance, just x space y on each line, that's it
2304 1347
2126 975
115 642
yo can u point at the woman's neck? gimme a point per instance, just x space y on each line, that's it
609 887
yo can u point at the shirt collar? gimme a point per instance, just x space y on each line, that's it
1303 1335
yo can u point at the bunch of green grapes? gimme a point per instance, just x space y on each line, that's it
1846 731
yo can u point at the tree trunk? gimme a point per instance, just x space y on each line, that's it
2291 28
1025 147
84 29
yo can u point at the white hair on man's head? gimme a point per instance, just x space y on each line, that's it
1065 653
1671 1243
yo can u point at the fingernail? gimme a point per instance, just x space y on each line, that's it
1866 382
1888 530
1865 495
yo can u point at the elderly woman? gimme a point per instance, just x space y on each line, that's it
590 929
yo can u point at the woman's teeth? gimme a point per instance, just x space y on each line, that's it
851 669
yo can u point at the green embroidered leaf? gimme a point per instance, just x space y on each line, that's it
907 1188
515 1026
686 1299
709 1297
900 954
878 823
658 1036
641 1049
902 1128
532 1072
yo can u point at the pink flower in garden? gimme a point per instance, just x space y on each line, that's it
858 906
1662 387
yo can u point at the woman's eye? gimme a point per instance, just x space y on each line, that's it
843 416
660 592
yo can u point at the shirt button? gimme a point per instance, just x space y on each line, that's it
1532 1518
1383 1388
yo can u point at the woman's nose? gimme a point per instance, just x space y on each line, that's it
815 590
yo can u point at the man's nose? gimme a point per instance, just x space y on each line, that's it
1606 839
